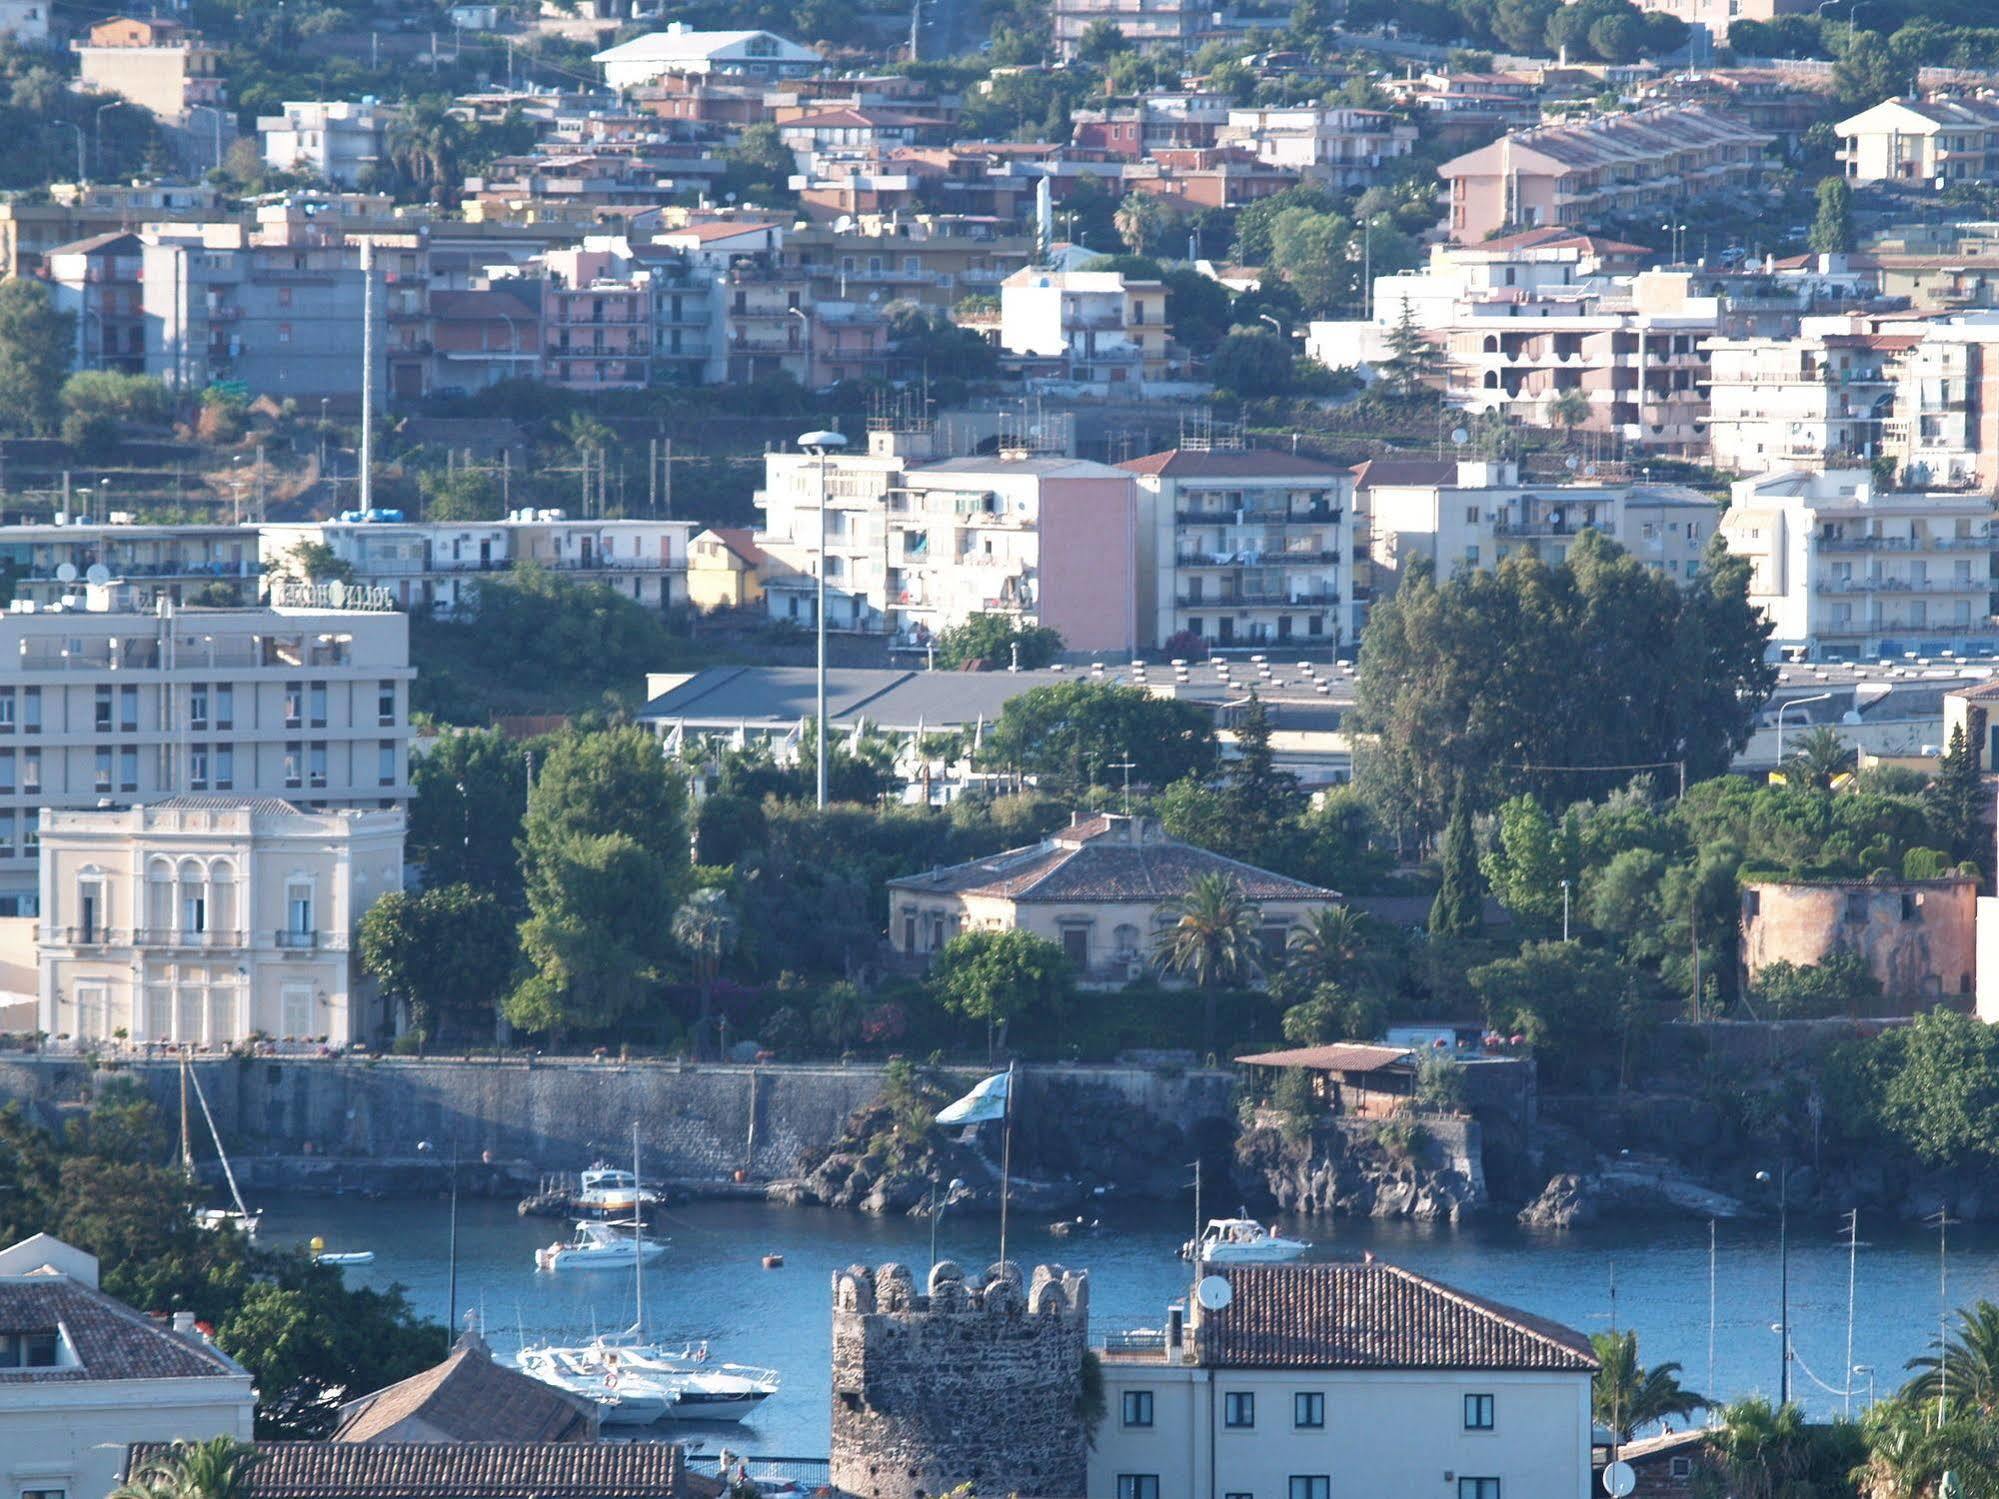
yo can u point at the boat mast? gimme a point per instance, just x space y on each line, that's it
216 1135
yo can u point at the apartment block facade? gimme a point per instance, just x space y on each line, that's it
1817 401
52 562
1171 24
1580 173
1085 327
1338 145
207 920
1245 549
104 702
1846 572
336 141
1922 142
162 66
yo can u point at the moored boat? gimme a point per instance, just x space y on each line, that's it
1241 1241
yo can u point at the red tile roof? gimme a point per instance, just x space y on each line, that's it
467 1470
1245 463
112 1341
742 541
1376 1316
470 1398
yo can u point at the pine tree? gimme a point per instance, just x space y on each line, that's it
1956 798
1412 358
1832 229
1459 909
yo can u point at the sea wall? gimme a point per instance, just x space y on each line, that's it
696 1122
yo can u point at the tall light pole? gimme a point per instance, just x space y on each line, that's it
97 130
1783 1181
1786 707
366 488
1565 910
822 445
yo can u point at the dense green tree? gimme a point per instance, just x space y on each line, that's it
1838 984
1531 856
1310 251
424 146
1253 362
1956 799
1570 1002
603 855
470 794
1832 229
1772 1452
707 928
758 166
1001 978
1413 361
463 494
1940 1093
1459 907
1255 221
1070 735
1626 1397
992 641
448 953
1867 72
1494 683
1331 1013
1198 308
37 344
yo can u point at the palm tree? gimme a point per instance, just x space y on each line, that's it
1818 757
218 1468
1138 221
423 146
1332 946
1211 939
706 926
1764 1449
1568 409
1963 1369
1626 1397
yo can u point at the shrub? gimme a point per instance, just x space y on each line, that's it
1400 1137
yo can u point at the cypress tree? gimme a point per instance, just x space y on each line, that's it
1459 909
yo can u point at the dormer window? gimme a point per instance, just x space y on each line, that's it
30 1350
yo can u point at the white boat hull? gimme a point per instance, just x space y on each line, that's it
1269 1252
350 1257
566 1258
690 1406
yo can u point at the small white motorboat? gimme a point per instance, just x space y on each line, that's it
600 1246
704 1391
609 1189
1241 1241
344 1257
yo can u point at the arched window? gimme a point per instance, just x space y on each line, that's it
1492 343
1124 940
193 899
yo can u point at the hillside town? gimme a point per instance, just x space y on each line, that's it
1080 749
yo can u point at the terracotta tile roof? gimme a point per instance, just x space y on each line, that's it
469 1398
1350 1056
1376 1316
111 1340
1249 463
1105 859
1421 472
469 1470
742 541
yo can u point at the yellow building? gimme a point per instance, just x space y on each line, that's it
726 569
1099 887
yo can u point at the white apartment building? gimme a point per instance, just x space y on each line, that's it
53 562
1488 514
1338 145
82 1374
1306 1381
1846 573
1816 401
1931 142
206 920
336 140
1944 427
105 702
437 564
1085 327
1245 548
915 544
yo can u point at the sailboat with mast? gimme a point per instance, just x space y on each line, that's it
635 1383
239 1217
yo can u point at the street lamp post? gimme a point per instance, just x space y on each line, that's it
1786 707
97 129
1565 910
1868 1370
822 444
1783 1180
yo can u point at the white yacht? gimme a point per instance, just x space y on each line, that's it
623 1394
599 1245
1241 1241
704 1391
610 1189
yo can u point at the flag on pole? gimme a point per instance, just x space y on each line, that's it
986 1102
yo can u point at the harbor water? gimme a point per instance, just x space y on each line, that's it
712 1286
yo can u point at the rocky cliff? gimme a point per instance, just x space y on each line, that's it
1429 1169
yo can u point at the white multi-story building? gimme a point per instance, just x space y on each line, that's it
82 1374
1485 514
915 544
108 703
1815 401
1944 427
1336 144
1930 142
1244 548
1846 572
1087 327
206 920
338 141
52 562
1306 1381
438 564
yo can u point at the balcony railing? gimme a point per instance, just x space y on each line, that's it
1905 585
292 941
1904 543
174 937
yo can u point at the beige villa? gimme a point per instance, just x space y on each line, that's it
1099 887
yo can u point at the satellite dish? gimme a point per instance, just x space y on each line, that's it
1214 1292
1460 436
1591 471
1572 461
65 572
98 574
1619 1480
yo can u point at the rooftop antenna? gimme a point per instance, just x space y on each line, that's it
1943 1220
1127 765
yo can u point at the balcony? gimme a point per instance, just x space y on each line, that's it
1311 598
83 936
172 937
287 940
1905 543
1533 528
1905 585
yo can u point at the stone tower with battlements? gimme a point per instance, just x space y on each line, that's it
966 1383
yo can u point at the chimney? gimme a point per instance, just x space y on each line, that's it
184 1324
1175 1331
